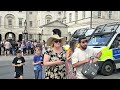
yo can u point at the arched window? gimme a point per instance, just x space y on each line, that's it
9 21
48 18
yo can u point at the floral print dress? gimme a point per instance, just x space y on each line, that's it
55 71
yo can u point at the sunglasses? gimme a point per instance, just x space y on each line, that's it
56 41
86 41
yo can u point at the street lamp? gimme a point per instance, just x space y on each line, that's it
25 33
91 20
41 34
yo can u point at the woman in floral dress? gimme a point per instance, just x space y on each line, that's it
54 58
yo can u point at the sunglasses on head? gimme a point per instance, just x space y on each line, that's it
86 41
56 41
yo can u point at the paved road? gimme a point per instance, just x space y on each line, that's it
7 71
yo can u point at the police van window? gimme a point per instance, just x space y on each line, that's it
116 43
110 28
99 28
99 40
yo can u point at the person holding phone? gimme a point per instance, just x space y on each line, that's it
37 62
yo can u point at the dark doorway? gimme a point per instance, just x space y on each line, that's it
57 31
20 37
0 37
10 36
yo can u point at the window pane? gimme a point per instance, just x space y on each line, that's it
99 14
30 12
70 17
20 22
10 22
48 21
76 15
110 14
0 21
83 14
30 23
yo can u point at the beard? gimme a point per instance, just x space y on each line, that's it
84 48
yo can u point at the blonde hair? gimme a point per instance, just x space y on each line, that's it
52 44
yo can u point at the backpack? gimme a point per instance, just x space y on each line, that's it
90 70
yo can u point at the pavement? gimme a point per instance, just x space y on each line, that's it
7 71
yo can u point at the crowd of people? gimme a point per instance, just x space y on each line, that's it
9 47
61 61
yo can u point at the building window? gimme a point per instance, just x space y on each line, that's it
30 23
59 13
0 21
30 36
48 18
10 23
99 14
30 12
76 15
83 14
48 21
20 22
110 14
70 17
64 13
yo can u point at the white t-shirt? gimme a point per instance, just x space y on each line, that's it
7 45
80 55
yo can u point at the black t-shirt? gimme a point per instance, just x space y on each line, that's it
18 60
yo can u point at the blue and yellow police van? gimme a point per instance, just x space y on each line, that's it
104 40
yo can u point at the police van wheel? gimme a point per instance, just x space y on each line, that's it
107 68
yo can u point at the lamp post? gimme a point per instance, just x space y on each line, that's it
25 33
91 20
41 34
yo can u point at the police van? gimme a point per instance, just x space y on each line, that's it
104 39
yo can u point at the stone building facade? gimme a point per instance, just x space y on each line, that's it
39 24
89 19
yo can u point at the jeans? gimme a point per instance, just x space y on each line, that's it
38 74
13 51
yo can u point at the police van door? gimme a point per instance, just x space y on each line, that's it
116 50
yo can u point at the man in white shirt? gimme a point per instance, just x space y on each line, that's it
7 48
81 56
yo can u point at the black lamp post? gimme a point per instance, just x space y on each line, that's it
25 33
91 20
41 34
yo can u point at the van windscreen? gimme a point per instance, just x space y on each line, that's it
100 40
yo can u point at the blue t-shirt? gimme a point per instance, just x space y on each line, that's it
37 59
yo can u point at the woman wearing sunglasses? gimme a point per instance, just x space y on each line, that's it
54 58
